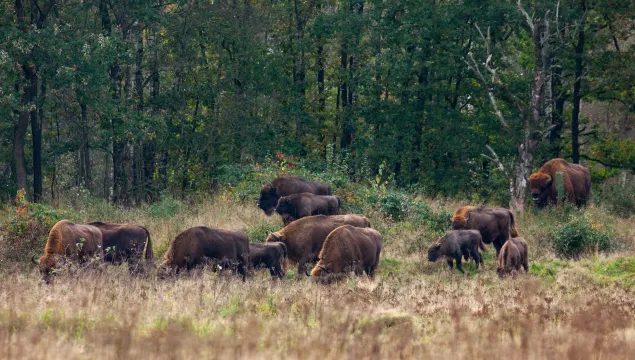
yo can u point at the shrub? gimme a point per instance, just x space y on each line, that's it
258 233
619 199
580 236
395 205
436 223
166 208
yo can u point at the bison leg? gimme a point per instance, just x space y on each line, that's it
450 264
477 257
458 264
526 266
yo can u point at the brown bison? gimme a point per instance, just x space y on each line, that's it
495 224
288 185
349 248
77 242
228 248
304 237
272 256
512 256
125 242
297 206
576 183
456 243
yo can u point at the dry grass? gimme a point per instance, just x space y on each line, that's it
413 309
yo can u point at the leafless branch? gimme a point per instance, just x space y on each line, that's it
494 158
530 20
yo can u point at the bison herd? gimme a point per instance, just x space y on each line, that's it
313 232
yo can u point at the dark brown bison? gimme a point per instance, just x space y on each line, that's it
76 242
227 248
125 242
288 185
304 237
456 243
576 183
495 224
513 254
349 248
297 206
272 256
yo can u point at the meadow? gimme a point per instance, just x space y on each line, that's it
583 308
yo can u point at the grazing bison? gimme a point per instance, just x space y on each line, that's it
456 243
190 248
77 242
288 185
512 256
272 256
297 206
304 237
349 248
496 224
125 242
576 183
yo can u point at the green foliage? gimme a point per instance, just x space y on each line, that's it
581 236
617 198
258 233
166 208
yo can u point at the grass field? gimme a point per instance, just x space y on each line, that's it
413 309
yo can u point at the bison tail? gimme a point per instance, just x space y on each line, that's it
339 204
149 252
482 246
512 225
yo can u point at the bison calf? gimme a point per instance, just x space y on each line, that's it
287 185
458 243
272 255
297 206
513 254
125 242
191 247
349 248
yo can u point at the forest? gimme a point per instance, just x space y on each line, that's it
134 100
408 121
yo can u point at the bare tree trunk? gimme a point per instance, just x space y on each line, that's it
19 134
86 174
577 94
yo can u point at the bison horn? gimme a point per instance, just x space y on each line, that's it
35 262
307 273
324 268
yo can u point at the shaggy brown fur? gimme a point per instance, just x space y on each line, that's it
297 206
576 178
513 254
495 224
77 242
272 256
191 247
125 242
349 248
288 185
304 237
456 243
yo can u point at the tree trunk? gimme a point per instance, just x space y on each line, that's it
19 133
577 95
86 173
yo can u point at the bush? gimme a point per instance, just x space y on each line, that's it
619 199
395 205
25 228
436 223
580 236
166 208
258 233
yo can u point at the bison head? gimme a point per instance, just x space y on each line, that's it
268 199
433 252
459 222
284 206
46 265
272 237
320 270
541 185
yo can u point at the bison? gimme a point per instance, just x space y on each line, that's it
576 183
125 242
230 248
349 248
272 256
495 224
513 254
304 237
288 185
77 242
297 206
456 243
